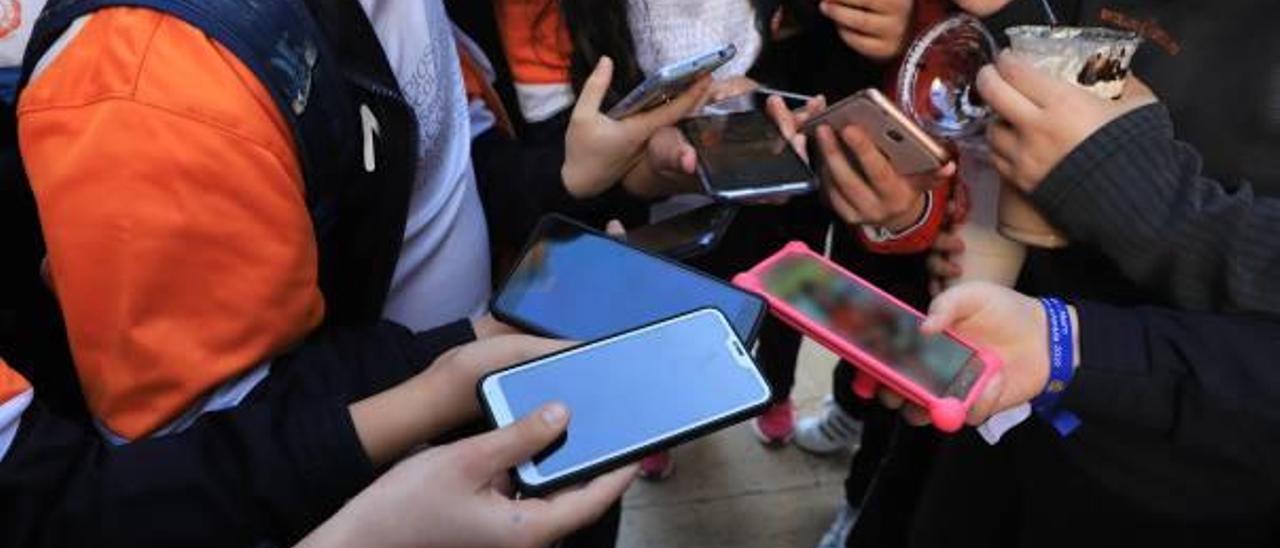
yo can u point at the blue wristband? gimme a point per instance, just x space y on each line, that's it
1061 368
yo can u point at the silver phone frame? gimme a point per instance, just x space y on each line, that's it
772 190
657 87
502 415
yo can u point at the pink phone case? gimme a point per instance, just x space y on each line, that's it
947 413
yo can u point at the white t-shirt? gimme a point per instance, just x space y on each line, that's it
443 273
667 31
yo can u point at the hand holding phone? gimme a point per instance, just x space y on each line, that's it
629 395
875 332
908 147
670 81
599 150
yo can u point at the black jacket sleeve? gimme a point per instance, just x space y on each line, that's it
272 468
1208 383
519 183
1138 195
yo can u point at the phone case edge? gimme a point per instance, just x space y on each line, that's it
882 373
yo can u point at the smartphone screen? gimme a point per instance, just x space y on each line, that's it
743 155
869 320
576 284
687 234
632 391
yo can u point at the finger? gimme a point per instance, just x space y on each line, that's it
882 179
915 415
800 143
942 267
668 150
572 509
733 88
844 178
689 160
787 121
814 107
876 48
487 326
950 308
935 287
1003 139
1005 101
594 89
947 171
1037 85
1135 90
502 483
507 349
889 398
987 402
858 20
614 228
1005 168
674 110
838 203
500 450
949 242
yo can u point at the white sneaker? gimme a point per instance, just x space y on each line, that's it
829 431
838 533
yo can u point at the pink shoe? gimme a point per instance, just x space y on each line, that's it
657 467
775 427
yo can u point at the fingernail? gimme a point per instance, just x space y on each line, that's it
554 415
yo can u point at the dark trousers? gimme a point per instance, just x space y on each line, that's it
887 474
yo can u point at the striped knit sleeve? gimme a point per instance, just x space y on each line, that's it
1138 195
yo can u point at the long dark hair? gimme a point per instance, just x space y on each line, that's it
600 27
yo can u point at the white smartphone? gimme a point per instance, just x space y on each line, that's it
909 148
629 395
670 81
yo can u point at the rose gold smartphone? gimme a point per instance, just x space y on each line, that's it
908 147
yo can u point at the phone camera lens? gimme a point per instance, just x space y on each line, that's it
894 135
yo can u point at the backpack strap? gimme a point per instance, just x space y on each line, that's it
280 42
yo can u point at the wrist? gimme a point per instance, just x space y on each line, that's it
445 396
1062 360
394 421
911 218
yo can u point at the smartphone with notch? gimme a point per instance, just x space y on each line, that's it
629 395
908 147
670 81
743 157
576 283
877 333
688 234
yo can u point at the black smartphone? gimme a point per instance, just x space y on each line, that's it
580 284
629 395
743 156
688 234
